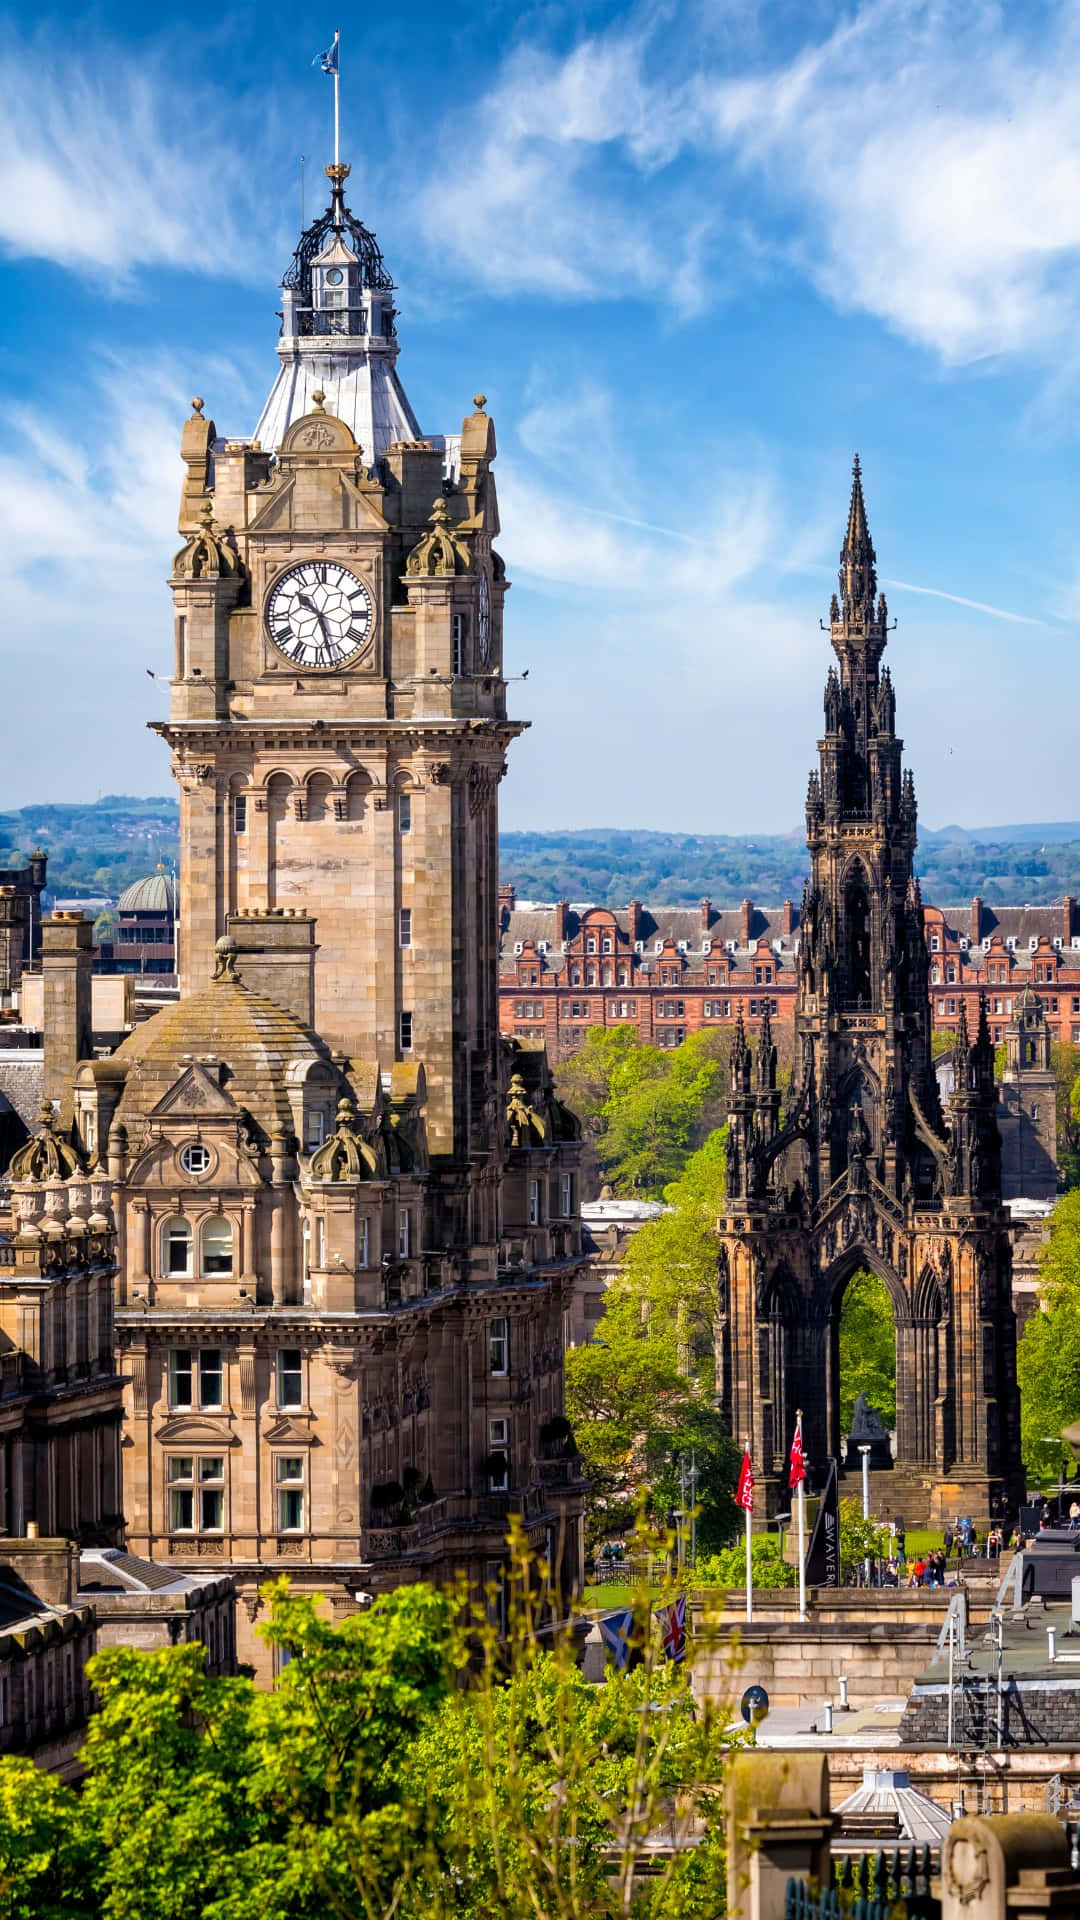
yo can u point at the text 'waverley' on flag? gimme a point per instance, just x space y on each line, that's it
823 1558
673 1628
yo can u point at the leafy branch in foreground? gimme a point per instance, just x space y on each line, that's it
413 1762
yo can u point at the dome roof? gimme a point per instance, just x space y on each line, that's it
257 1041
1029 1003
155 894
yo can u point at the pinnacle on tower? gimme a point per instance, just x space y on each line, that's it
858 576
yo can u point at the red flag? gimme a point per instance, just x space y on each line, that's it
744 1492
798 1458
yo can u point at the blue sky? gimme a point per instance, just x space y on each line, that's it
695 255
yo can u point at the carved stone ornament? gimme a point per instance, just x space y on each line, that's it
439 552
482 784
208 554
967 1869
439 773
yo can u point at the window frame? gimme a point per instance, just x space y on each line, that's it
283 1373
499 1346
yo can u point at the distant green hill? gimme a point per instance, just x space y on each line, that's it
100 849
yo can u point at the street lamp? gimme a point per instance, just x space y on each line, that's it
866 1451
1055 1440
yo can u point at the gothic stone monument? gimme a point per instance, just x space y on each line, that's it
866 1171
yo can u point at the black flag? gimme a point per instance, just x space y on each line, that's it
823 1558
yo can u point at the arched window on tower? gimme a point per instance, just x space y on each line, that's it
217 1245
857 920
176 1247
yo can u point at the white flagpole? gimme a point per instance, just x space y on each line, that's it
749 1568
337 113
802 1531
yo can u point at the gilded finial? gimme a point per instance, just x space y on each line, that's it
337 173
198 403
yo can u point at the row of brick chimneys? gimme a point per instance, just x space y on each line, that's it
1068 917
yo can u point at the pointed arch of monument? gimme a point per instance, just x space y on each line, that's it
862 1254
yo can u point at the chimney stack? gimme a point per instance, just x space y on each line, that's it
276 956
787 919
562 910
706 915
634 918
1068 907
976 919
67 957
746 915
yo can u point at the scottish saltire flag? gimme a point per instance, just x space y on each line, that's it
744 1492
673 1627
798 1458
328 61
615 1629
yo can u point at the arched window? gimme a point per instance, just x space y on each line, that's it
590 976
857 906
609 975
176 1247
607 944
590 944
624 976
575 976
217 1245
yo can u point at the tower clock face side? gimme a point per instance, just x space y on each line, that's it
320 615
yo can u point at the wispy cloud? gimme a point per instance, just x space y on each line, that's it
958 600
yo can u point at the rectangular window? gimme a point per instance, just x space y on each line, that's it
320 1241
405 1031
498 1455
289 1482
753 1009
363 1242
314 1128
290 1377
941 1008
457 643
181 1383
404 1233
178 1248
239 813
952 1006
210 1377
566 1195
196 1493
404 813
499 1345
405 927
534 1203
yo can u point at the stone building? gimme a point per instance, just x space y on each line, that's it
21 889
865 1171
1027 1105
144 938
347 1211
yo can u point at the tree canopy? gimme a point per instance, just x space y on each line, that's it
641 1393
1048 1357
374 1779
867 1348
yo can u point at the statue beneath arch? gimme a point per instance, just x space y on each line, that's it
864 1169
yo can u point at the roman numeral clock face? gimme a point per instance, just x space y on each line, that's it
320 615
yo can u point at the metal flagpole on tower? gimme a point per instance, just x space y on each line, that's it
337 97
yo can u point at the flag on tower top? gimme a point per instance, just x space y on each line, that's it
328 61
798 1458
744 1492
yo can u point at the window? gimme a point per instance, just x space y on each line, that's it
566 1195
289 1482
753 1009
314 1128
606 944
458 630
534 1203
935 943
952 1006
590 976
289 1377
941 1007
320 1242
499 1345
196 1493
363 1243
998 1006
935 975
405 927
404 1233
181 1386
498 1455
239 813
405 1032
624 978
590 944
176 1247
217 1245
195 1158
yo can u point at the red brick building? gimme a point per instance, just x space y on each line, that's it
668 971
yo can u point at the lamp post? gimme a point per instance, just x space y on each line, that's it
865 1451
1055 1440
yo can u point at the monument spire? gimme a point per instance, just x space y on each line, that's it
858 574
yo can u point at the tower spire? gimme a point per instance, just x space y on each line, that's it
858 574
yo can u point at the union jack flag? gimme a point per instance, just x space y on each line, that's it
673 1627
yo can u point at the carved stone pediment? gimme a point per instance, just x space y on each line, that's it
289 1432
196 1091
194 1430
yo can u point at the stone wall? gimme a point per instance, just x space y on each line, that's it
1042 1712
880 1643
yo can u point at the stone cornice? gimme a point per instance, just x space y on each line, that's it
204 736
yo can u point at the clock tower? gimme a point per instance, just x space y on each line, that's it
338 721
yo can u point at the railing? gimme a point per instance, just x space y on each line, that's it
878 1886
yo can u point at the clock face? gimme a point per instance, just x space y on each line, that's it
483 621
320 615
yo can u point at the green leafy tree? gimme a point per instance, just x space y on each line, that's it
641 1393
860 1539
1048 1357
767 1565
867 1348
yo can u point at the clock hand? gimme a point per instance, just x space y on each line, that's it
310 607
